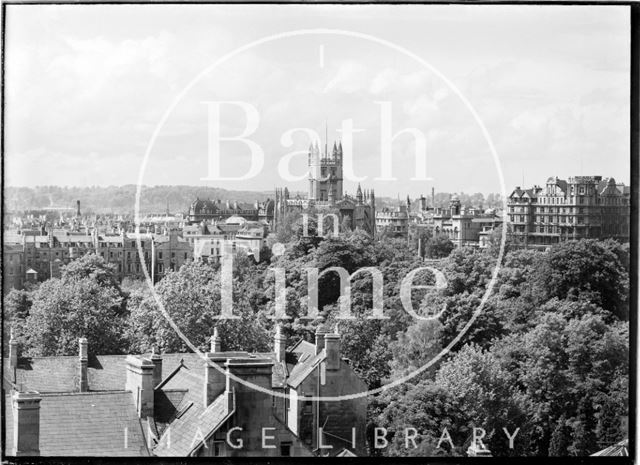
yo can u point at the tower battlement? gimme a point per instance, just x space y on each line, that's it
325 173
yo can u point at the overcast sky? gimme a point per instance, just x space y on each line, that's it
86 87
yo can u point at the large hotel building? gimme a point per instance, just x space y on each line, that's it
581 207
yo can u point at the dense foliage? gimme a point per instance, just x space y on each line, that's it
547 353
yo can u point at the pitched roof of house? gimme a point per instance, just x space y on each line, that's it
620 449
93 424
105 372
191 422
303 368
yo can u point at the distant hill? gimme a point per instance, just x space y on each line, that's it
121 199
157 199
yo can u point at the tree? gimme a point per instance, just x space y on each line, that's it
90 266
485 390
438 247
192 300
415 347
495 240
429 408
560 439
599 268
64 311
568 368
17 306
458 312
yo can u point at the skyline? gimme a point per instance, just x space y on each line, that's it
86 86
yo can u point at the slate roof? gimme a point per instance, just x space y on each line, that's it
95 423
195 422
88 424
303 347
620 449
303 368
105 372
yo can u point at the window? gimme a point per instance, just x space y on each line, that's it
159 255
285 449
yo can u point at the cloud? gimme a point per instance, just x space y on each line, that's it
84 81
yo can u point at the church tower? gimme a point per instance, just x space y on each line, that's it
325 173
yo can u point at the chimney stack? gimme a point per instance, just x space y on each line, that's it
279 344
84 362
332 349
140 383
255 370
216 343
215 378
156 359
320 334
26 423
13 352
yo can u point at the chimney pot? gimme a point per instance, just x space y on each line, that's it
216 343
280 344
84 348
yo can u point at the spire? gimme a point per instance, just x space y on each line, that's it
359 194
335 150
326 137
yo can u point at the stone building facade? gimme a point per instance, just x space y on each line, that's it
326 195
46 251
464 226
218 211
581 207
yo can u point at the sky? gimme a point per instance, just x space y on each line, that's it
87 86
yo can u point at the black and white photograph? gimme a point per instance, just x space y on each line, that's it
319 230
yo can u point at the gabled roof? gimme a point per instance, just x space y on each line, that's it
304 368
88 424
196 422
302 347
